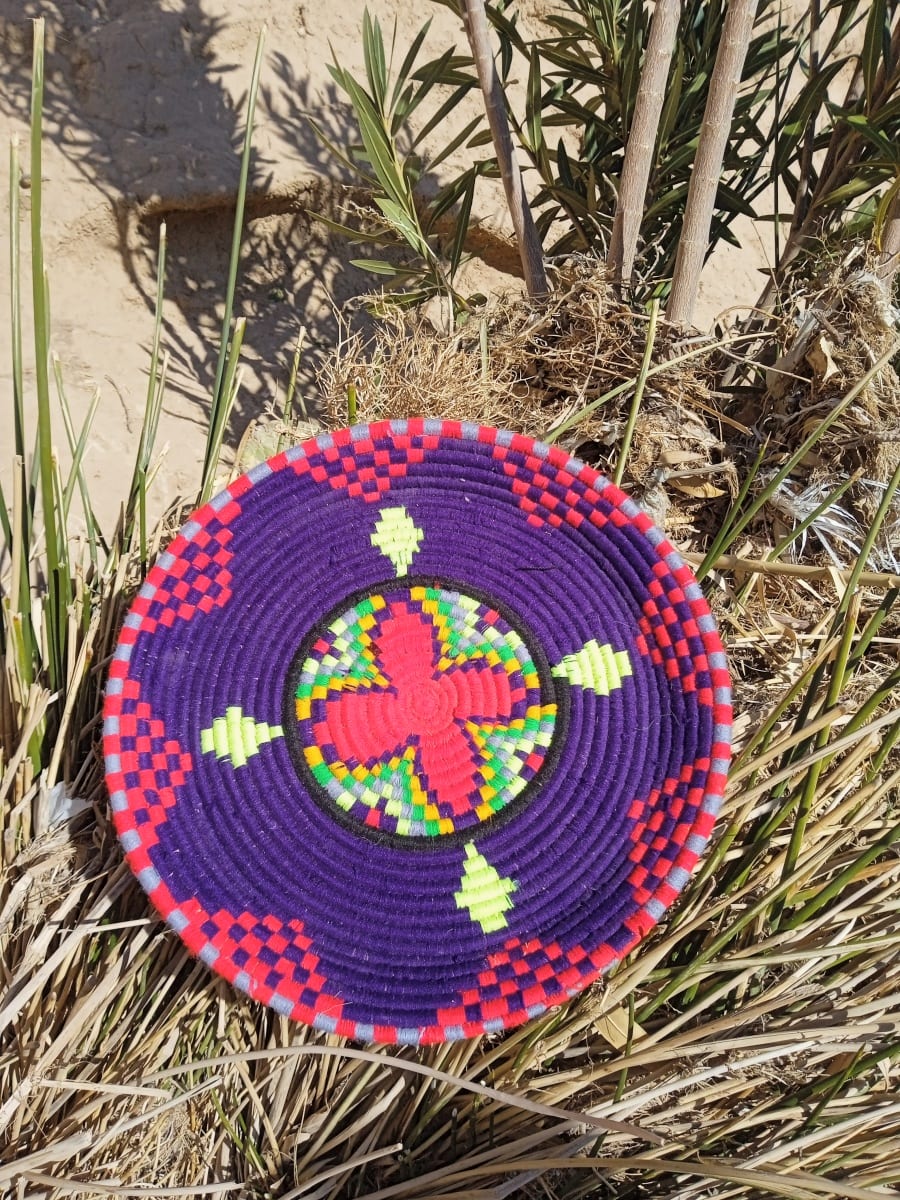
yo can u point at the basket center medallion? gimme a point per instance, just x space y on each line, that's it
418 711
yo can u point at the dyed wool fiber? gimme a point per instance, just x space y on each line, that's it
416 729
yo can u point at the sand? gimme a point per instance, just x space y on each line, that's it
143 123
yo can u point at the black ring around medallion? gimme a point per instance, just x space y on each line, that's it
550 696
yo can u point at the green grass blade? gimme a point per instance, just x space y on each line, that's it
838 677
219 396
144 476
42 367
136 507
5 523
15 278
287 412
620 389
22 633
77 447
639 387
223 409
731 529
840 881
23 512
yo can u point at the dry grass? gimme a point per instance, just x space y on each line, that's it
538 370
746 1049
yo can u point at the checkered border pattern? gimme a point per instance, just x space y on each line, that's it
560 489
144 769
271 961
361 469
197 581
520 981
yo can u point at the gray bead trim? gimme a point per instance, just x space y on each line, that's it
177 920
220 501
260 472
149 879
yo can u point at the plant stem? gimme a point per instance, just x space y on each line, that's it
889 257
638 392
641 145
523 223
767 566
701 197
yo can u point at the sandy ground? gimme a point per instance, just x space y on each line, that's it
143 121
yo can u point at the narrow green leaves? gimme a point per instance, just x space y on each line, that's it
876 47
383 105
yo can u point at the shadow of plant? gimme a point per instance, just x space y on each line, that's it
137 100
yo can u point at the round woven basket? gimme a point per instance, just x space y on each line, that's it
416 729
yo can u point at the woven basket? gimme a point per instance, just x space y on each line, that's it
416 729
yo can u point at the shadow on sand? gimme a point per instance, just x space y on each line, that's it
138 101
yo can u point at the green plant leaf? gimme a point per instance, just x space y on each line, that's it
733 202
405 70
849 15
454 143
406 222
453 70
373 53
672 101
864 182
535 136
378 147
378 266
564 166
428 82
630 63
480 139
886 146
876 47
373 237
339 154
450 104
798 116
462 223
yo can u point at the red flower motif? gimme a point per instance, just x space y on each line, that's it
426 707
